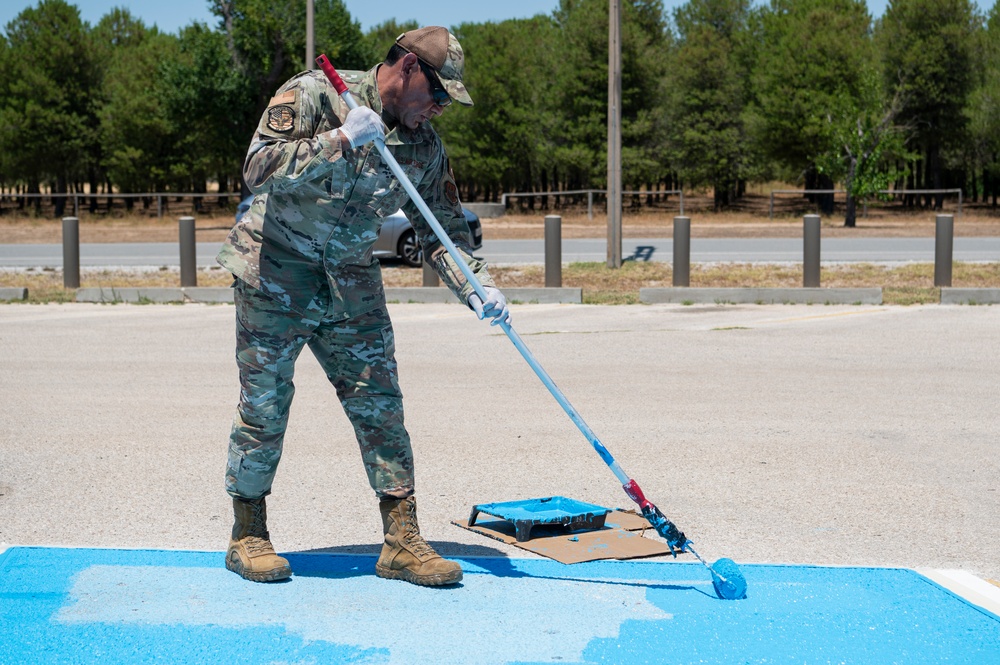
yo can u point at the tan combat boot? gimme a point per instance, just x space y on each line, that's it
405 554
251 554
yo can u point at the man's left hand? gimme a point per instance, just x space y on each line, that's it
361 126
495 306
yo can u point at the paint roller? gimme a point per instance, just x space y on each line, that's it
727 579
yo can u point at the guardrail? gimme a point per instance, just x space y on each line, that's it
891 192
590 196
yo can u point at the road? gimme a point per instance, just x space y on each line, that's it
826 434
703 250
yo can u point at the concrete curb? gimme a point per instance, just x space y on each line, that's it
209 294
441 294
953 296
420 294
412 294
799 296
110 294
545 296
13 293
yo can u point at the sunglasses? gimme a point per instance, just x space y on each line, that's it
440 95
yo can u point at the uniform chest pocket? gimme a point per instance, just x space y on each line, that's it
336 184
388 199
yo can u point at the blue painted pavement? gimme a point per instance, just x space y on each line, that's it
141 606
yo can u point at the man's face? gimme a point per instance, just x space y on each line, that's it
422 99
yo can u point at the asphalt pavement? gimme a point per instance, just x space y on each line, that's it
703 250
787 434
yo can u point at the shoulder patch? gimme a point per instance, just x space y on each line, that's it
286 97
451 192
281 118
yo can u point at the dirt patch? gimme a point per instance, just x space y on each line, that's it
126 229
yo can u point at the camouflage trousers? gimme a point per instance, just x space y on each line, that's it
357 356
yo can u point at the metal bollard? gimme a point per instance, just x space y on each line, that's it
682 251
553 251
71 252
430 276
189 257
944 237
810 263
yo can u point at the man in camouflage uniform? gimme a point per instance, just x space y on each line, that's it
302 257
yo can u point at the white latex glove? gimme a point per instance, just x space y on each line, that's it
361 126
495 306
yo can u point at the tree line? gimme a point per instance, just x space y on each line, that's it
716 94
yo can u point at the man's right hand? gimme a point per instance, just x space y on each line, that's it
495 306
361 126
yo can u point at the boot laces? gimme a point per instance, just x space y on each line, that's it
257 545
258 540
417 544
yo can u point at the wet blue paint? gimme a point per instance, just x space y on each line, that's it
115 606
728 580
603 452
552 510
542 510
668 530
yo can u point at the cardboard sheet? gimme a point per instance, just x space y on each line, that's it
620 538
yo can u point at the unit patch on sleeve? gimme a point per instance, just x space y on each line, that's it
281 118
451 192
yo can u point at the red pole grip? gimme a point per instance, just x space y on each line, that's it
331 73
635 493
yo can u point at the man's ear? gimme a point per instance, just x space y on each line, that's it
410 64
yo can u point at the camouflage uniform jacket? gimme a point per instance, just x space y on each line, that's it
318 210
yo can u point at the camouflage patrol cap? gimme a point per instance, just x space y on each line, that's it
441 50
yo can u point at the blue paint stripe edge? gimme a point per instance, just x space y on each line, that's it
951 592
959 596
7 552
11 549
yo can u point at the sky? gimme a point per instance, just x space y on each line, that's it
175 14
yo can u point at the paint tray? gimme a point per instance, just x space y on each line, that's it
551 511
620 537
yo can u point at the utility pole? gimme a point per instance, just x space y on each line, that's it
310 36
614 135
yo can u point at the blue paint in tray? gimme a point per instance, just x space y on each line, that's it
549 511
145 606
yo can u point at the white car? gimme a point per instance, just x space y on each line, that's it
397 239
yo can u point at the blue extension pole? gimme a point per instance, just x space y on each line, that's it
387 156
730 586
